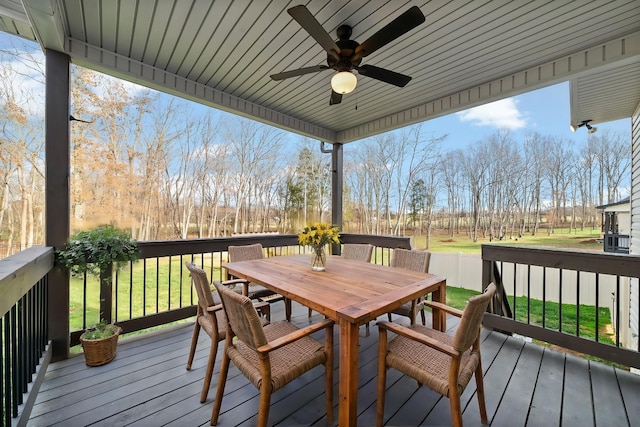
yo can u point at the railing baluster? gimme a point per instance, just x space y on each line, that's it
144 287
6 370
157 284
578 305
617 325
21 347
14 361
515 291
528 294
131 290
116 294
169 286
544 297
84 301
597 328
560 301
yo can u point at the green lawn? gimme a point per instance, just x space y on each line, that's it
167 285
457 297
561 238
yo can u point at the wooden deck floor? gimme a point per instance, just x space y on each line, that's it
147 385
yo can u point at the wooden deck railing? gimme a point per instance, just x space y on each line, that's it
565 282
156 289
23 325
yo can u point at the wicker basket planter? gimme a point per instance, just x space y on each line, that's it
101 351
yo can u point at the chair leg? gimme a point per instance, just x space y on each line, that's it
480 393
382 376
222 379
194 344
213 351
265 401
310 313
389 316
456 409
424 318
287 309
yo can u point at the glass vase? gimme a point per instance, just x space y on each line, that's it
318 259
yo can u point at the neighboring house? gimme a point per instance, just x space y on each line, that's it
617 231
616 226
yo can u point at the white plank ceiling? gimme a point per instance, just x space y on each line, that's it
467 53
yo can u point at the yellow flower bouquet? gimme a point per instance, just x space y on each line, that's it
317 236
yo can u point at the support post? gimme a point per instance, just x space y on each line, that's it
337 175
57 165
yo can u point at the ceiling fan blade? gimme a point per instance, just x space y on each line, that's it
298 72
336 98
394 29
311 25
383 75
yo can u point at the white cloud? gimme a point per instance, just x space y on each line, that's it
503 114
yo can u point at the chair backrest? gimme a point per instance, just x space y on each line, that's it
246 252
411 260
357 251
242 316
469 326
201 283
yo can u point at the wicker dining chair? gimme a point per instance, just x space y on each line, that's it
250 289
435 359
415 261
357 251
270 356
210 317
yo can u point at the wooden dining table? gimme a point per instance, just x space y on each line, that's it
349 292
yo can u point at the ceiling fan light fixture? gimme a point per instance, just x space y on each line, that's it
344 82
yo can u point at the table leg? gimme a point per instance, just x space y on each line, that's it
439 316
348 383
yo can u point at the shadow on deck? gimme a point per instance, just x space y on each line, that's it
147 385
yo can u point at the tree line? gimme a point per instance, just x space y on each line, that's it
164 169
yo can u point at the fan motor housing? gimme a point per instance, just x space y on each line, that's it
347 49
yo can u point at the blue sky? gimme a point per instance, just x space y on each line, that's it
545 111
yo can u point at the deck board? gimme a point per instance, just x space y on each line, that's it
148 385
577 402
519 391
547 396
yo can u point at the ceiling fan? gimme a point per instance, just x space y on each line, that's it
344 55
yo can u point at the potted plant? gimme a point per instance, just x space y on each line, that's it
96 252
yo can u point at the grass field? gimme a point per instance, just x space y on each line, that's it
167 285
457 297
561 238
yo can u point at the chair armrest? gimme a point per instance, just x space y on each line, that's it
294 336
443 307
417 336
233 282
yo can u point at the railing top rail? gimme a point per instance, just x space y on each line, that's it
567 259
19 272
160 248
392 242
